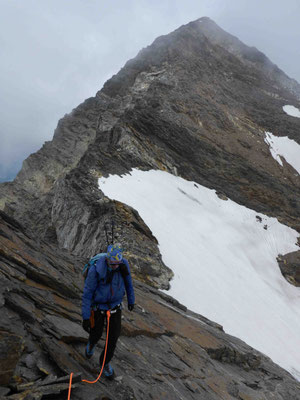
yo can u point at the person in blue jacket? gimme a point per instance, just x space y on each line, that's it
104 290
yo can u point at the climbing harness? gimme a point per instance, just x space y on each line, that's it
108 312
114 310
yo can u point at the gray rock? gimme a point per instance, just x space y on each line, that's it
196 103
30 361
152 115
11 348
290 267
63 329
4 391
165 351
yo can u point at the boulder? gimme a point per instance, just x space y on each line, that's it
11 348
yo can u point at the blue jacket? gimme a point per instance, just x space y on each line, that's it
105 295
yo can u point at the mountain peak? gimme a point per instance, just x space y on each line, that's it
200 41
199 104
192 93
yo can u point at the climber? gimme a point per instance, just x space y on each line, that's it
104 290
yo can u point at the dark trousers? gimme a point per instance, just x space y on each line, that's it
114 332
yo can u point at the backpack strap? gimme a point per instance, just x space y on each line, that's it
91 262
124 270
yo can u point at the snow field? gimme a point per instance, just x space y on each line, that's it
223 259
283 146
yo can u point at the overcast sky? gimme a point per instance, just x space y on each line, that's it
56 53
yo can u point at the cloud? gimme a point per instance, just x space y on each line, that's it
55 54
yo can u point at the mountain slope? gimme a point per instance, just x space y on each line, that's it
198 104
165 351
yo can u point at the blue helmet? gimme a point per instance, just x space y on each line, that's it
114 253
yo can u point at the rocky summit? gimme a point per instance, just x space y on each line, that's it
196 103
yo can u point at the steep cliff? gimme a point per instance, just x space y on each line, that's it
196 103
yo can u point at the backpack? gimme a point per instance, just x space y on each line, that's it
92 262
123 269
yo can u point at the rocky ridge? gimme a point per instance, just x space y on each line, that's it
196 103
164 352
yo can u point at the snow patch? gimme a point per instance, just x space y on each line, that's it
223 256
283 146
292 111
273 149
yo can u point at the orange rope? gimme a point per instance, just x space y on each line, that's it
92 319
70 386
83 380
107 329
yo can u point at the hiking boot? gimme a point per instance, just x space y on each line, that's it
108 371
89 350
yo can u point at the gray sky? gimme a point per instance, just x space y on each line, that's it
56 53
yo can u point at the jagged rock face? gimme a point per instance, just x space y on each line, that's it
290 267
196 103
165 351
